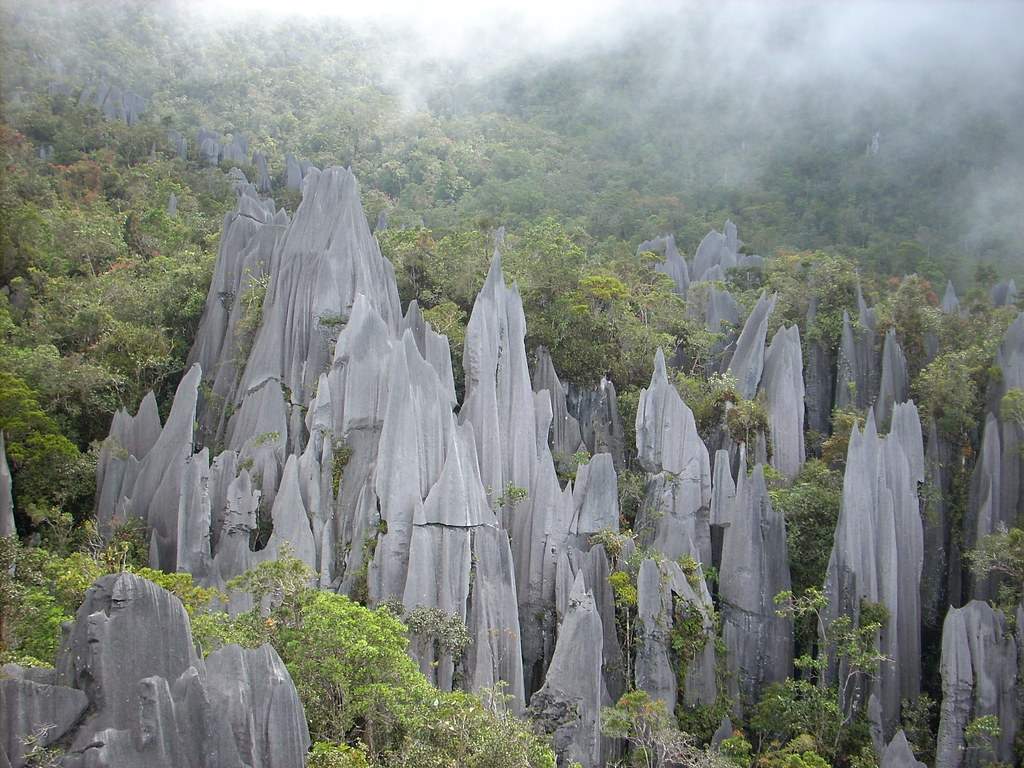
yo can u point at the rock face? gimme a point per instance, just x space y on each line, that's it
895 381
950 303
997 491
755 568
597 413
668 602
564 435
783 384
979 671
857 378
130 690
6 498
674 265
878 551
676 509
747 363
898 754
113 102
1004 294
568 706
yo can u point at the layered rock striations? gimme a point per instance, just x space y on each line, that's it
129 690
675 515
878 551
979 672
754 569
783 385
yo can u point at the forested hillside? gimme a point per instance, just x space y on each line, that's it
654 401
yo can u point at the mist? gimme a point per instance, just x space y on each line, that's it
703 101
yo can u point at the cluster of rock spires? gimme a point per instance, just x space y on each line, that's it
129 689
115 103
317 415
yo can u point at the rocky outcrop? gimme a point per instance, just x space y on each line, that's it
895 381
979 672
6 497
115 104
564 436
898 754
597 413
129 689
857 378
672 605
783 384
950 303
878 551
568 706
674 519
674 265
263 183
747 364
1004 294
754 569
819 376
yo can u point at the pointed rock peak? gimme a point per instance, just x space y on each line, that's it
870 427
898 754
413 315
660 375
6 500
950 302
579 595
495 277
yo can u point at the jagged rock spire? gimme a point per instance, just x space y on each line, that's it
878 550
755 568
950 302
979 672
783 384
747 362
6 498
565 437
678 492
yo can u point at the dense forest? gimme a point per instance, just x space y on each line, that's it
653 398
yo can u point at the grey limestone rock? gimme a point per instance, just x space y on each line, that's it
674 265
293 173
325 258
499 396
755 568
979 672
37 711
259 161
172 205
597 412
747 362
131 690
1004 294
950 302
819 377
595 497
252 690
895 381
564 435
6 498
678 493
898 754
878 550
568 706
783 384
667 596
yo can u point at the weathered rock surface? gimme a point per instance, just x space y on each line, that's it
979 672
678 495
783 384
130 690
568 706
597 413
895 380
564 437
898 754
669 600
6 498
1004 294
747 362
755 568
878 550
950 302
